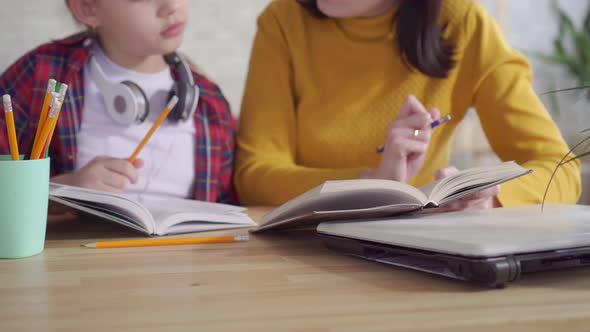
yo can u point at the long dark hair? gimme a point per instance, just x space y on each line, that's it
419 36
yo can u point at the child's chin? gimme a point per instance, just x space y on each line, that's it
169 46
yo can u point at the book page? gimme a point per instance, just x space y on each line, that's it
101 211
471 180
106 205
315 217
174 215
372 185
192 227
169 206
191 222
347 196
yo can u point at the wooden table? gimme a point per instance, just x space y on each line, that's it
278 282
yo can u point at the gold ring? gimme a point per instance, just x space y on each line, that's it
416 132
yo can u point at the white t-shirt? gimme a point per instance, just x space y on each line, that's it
169 156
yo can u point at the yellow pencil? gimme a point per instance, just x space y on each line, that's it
61 96
51 121
12 141
45 108
155 126
166 242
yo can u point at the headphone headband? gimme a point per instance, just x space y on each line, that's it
180 67
127 103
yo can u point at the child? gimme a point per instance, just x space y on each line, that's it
121 73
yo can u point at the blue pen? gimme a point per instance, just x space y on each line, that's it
433 125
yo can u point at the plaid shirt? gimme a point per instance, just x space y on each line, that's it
63 60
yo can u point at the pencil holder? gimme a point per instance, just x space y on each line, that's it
24 193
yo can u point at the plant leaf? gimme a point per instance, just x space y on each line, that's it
557 167
553 100
560 59
576 157
566 89
567 28
587 21
566 24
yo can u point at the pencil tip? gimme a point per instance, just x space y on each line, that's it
89 245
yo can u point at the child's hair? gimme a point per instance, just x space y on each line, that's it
420 36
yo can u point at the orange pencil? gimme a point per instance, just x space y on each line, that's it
12 141
155 126
61 97
166 242
45 108
51 121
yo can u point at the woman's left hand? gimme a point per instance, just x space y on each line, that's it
482 200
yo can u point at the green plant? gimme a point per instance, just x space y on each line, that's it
566 160
571 47
577 61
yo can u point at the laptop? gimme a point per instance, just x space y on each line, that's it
492 247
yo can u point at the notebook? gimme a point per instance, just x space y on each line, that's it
492 247
152 216
364 198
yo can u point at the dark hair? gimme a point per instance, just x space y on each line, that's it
419 36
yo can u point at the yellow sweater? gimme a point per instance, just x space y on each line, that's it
321 93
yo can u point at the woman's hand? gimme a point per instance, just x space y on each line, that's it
103 173
482 200
408 138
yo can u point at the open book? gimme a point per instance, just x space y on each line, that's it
368 198
152 216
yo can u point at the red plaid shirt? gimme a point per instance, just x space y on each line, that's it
63 60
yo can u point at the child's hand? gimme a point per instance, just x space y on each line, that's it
408 138
482 200
56 209
103 173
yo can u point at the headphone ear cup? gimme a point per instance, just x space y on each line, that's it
140 103
186 95
126 103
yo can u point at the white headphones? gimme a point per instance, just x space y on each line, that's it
127 103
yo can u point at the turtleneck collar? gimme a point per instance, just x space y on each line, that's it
376 28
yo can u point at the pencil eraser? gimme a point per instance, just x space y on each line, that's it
54 105
51 85
7 103
62 91
172 102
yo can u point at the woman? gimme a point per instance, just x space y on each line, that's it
330 80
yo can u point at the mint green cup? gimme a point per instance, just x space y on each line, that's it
24 193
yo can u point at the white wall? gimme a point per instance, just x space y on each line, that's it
220 40
220 33
218 37
529 25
